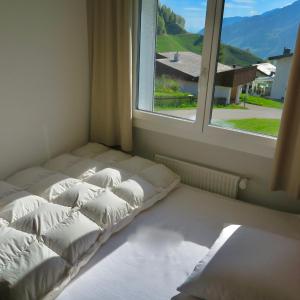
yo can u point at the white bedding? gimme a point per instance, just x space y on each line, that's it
150 258
52 224
247 263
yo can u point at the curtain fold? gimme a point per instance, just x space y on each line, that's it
111 25
286 173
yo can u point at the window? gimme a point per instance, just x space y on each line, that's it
216 71
254 60
177 57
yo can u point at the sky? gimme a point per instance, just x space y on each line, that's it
194 10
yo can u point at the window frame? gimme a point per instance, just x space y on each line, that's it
199 130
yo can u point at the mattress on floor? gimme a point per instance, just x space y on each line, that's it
149 259
51 224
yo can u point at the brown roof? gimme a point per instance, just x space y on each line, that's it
188 67
188 63
235 77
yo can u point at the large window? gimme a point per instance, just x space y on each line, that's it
177 55
220 66
254 60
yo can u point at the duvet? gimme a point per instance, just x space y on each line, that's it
53 218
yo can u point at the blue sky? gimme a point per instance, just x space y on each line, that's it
194 10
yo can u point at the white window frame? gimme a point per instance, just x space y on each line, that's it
199 130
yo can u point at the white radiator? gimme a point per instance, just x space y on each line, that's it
205 178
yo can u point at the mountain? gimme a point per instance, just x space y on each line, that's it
232 20
168 22
194 43
266 34
228 21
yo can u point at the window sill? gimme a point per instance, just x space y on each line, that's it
232 139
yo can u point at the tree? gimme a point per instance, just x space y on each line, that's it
161 27
221 54
168 22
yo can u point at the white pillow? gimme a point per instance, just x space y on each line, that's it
135 191
107 209
108 177
77 195
72 237
40 220
90 150
247 264
160 176
7 189
18 204
135 164
28 177
61 162
52 186
84 169
112 156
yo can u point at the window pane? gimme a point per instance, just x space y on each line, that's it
255 53
177 63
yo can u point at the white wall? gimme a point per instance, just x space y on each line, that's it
257 168
188 86
283 67
44 104
222 92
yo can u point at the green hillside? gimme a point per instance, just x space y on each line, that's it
194 42
168 22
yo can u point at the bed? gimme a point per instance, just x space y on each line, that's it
86 213
54 217
150 258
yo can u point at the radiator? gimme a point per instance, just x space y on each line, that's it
205 178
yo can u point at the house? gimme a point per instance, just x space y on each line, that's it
185 67
265 69
265 74
283 66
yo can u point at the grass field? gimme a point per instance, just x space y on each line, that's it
181 107
179 42
260 101
230 106
172 94
194 106
261 126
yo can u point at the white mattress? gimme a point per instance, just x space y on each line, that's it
150 258
45 242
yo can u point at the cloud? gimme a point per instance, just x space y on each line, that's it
240 4
254 12
193 8
235 5
244 1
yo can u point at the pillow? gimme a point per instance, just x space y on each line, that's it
135 164
61 162
112 156
246 264
108 177
135 191
90 150
160 176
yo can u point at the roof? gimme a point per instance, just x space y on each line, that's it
188 63
266 68
235 77
188 67
281 56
